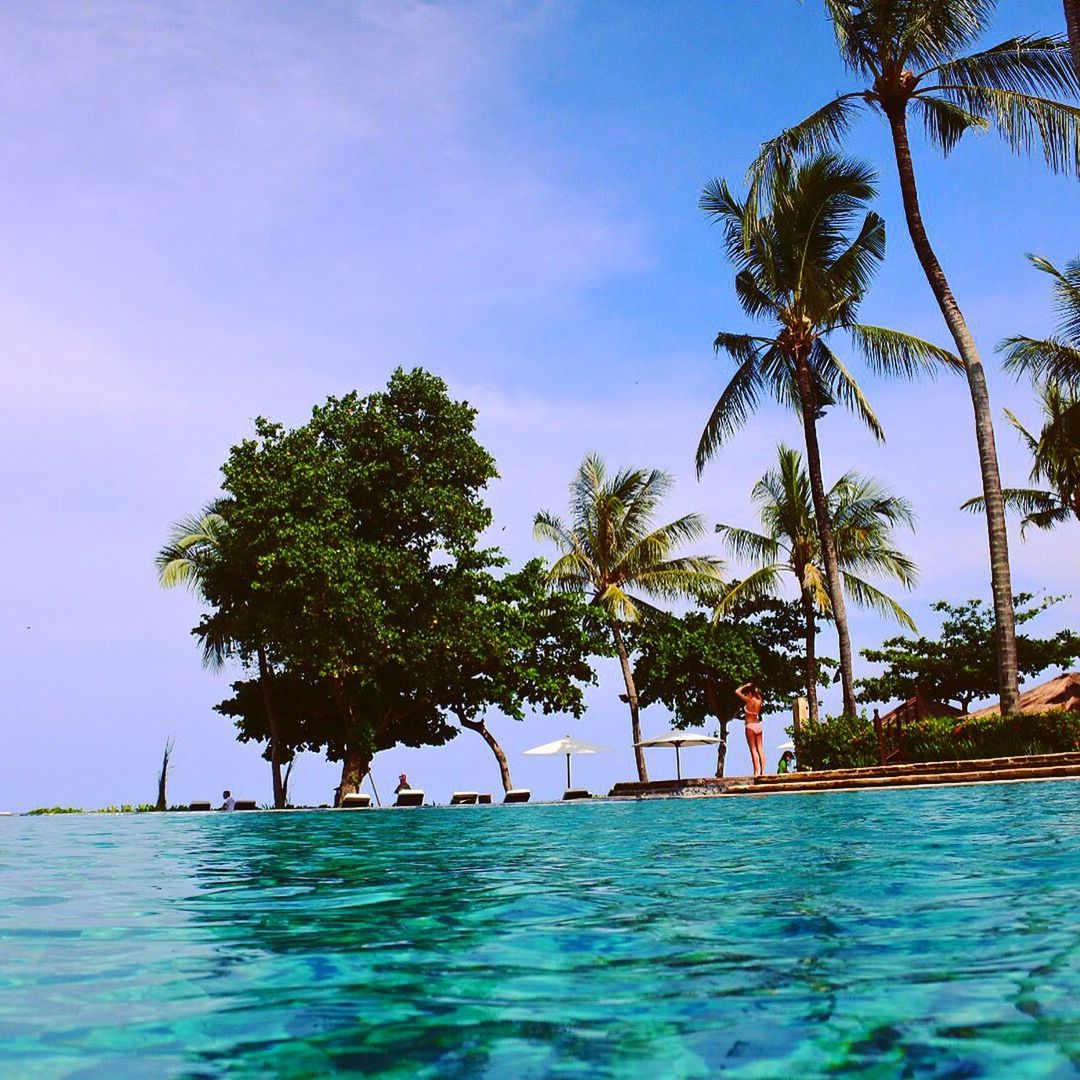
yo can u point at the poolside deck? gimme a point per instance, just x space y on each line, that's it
919 774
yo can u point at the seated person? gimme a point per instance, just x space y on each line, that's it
403 784
229 803
786 763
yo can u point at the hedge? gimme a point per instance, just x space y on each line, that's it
844 742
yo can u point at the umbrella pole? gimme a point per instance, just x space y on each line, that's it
567 772
678 763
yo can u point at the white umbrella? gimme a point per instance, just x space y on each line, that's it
789 745
679 739
568 746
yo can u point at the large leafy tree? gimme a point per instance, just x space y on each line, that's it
1055 462
804 270
613 554
693 663
862 515
363 523
911 59
522 647
959 664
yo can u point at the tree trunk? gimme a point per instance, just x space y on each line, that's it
354 767
631 697
355 763
811 653
1000 578
163 777
1072 22
500 756
808 405
713 699
265 676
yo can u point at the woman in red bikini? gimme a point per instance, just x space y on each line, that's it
751 698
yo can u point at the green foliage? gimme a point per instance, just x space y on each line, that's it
837 742
693 663
55 810
960 665
804 269
1054 360
613 553
349 549
128 808
848 743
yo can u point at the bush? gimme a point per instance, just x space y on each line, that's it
54 810
849 743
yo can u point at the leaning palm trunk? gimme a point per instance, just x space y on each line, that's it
825 534
1000 577
1072 21
500 755
265 677
632 700
811 653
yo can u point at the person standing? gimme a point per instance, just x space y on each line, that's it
752 699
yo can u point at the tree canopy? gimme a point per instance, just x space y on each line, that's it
959 665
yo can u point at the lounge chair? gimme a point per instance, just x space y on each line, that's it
517 794
410 797
355 801
576 793
486 799
464 798
199 806
245 804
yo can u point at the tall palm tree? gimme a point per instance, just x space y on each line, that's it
805 268
862 514
909 55
192 546
613 554
1055 359
1055 454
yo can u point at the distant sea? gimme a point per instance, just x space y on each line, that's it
930 933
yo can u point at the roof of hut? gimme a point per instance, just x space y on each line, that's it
918 706
1062 692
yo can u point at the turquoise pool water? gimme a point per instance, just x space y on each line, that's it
888 934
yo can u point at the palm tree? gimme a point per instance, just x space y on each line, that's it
805 270
862 514
1055 359
613 554
909 57
192 546
1055 456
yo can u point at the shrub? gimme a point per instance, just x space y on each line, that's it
54 810
850 742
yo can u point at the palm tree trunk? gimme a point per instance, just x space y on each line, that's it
808 406
1000 577
265 676
631 697
500 756
811 653
1072 21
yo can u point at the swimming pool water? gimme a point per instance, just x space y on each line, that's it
924 933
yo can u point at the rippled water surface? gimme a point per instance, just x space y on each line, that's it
875 934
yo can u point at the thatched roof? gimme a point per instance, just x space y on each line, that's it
1060 693
918 706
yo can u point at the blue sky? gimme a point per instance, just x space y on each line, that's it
215 212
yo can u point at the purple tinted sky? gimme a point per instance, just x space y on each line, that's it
214 212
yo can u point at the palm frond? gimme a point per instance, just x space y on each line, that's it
945 122
764 581
738 400
843 387
891 352
749 546
868 596
1049 360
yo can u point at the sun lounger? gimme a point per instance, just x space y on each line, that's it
410 797
245 804
484 799
517 794
576 793
464 798
355 801
199 806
